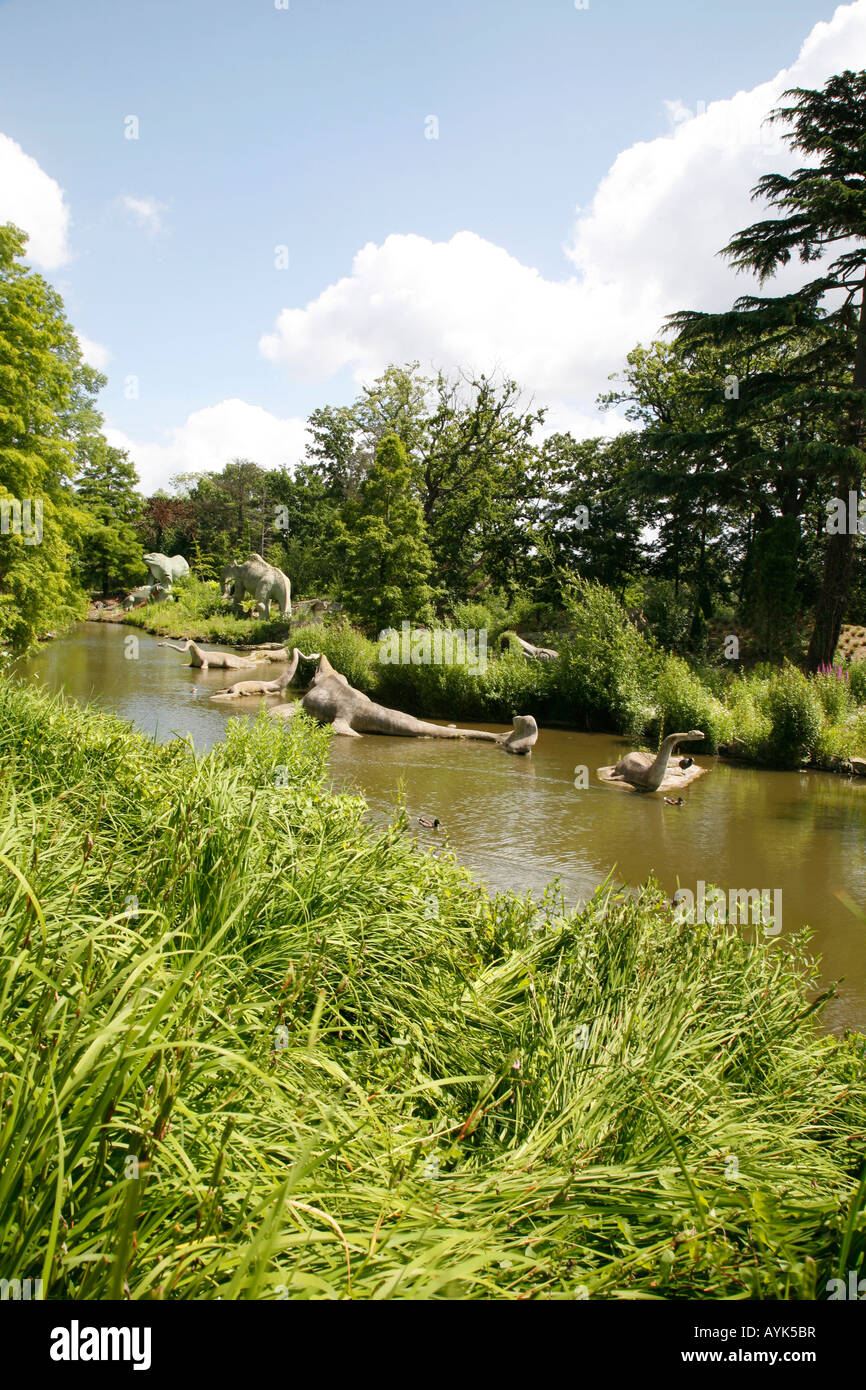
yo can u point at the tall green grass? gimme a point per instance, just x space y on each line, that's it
252 1049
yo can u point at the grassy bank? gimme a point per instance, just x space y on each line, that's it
608 676
252 1049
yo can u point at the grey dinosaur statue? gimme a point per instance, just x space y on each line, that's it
165 569
645 773
243 688
332 700
263 581
136 597
225 661
530 651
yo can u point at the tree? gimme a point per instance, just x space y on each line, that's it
307 523
588 514
473 467
47 414
823 210
383 539
110 552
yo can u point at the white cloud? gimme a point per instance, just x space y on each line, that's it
209 438
94 354
33 201
146 213
645 247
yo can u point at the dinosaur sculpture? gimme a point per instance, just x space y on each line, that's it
644 773
165 569
263 581
136 597
227 661
243 688
332 700
530 651
224 661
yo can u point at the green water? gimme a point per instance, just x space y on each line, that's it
520 822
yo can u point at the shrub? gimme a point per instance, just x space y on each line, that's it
668 614
832 686
751 727
492 616
605 673
198 598
857 681
348 650
796 718
685 702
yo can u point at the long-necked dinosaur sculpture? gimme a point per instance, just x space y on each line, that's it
645 773
332 700
226 661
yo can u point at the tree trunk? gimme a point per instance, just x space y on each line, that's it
839 550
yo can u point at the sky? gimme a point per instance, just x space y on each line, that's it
251 207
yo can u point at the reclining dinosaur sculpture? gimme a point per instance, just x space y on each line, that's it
645 773
332 700
226 661
243 688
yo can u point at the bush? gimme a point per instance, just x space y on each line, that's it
751 727
857 681
796 718
605 674
198 598
832 686
347 649
668 614
685 703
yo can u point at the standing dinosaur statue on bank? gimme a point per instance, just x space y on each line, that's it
645 773
332 700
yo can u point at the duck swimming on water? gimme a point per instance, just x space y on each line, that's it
674 801
430 824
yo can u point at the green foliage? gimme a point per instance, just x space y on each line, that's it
47 417
857 681
606 671
387 559
751 724
793 708
684 702
668 613
834 693
349 651
238 1026
772 602
198 598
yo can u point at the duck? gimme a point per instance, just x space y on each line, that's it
686 762
674 801
429 824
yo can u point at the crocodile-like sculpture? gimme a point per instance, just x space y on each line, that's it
332 700
243 688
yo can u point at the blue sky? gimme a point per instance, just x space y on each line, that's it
262 127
